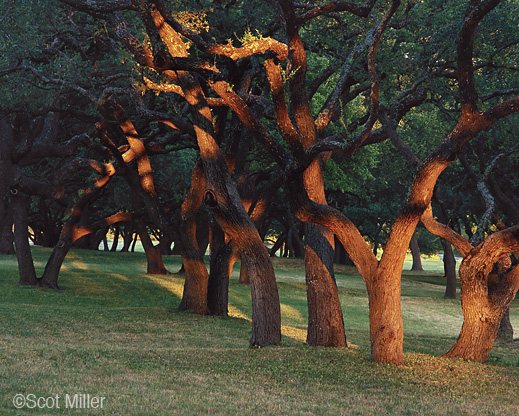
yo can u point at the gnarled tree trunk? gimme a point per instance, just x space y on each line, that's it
325 321
195 285
486 296
222 198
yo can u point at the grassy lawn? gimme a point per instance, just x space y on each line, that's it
113 332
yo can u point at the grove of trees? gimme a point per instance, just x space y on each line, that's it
337 131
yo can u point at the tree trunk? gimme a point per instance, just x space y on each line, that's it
21 237
218 286
153 256
6 177
6 229
53 266
385 317
480 326
115 240
278 244
100 237
266 310
195 285
415 252
505 332
485 296
341 256
127 237
325 321
449 267
222 198
244 276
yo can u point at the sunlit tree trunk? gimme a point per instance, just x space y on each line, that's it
485 296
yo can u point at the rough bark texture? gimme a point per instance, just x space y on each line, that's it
195 286
485 297
383 281
325 322
52 268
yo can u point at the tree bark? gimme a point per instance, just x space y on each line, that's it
21 237
325 321
218 286
52 268
485 298
449 267
196 276
115 240
505 332
415 252
155 265
6 177
6 229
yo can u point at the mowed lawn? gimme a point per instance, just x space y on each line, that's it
113 332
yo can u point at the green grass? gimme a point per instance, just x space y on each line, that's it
113 331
